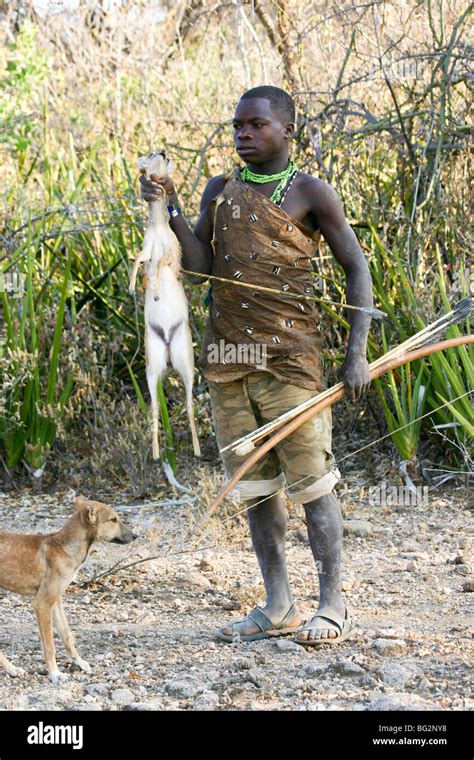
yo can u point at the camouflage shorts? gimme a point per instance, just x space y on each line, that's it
304 459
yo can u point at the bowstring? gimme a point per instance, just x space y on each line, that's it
371 310
182 550
353 453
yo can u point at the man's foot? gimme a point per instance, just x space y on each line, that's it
328 626
259 625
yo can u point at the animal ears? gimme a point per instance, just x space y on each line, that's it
88 510
169 163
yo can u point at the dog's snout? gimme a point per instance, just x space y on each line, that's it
127 536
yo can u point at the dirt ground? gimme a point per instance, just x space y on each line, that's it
148 631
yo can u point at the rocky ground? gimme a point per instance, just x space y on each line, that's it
148 631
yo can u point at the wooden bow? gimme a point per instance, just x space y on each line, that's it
331 396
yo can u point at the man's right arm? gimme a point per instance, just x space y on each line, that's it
196 246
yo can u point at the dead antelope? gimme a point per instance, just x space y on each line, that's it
167 333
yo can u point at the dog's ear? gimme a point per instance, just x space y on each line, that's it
87 512
91 514
79 502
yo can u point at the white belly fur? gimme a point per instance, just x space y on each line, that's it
172 305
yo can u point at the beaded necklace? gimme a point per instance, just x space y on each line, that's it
284 178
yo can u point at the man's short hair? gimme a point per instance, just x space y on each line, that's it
279 99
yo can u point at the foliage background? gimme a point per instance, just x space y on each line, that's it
383 92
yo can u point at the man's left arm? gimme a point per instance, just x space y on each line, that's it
328 212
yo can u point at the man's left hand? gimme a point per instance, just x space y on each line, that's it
355 375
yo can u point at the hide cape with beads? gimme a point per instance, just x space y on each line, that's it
256 241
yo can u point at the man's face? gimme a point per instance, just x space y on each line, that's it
259 133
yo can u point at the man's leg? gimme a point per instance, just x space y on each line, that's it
324 522
267 522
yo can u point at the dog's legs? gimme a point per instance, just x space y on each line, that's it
12 671
62 627
182 359
43 606
156 361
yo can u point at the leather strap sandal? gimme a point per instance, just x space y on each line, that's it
268 629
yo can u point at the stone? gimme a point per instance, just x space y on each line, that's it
423 685
198 580
242 663
147 618
122 696
348 668
397 674
360 528
288 646
389 646
51 695
411 566
401 701
252 676
231 604
314 669
208 700
468 585
347 583
96 689
183 689
463 569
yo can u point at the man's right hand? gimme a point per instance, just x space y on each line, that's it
152 189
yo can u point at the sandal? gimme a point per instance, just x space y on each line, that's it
344 624
268 628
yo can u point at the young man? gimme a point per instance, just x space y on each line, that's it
259 225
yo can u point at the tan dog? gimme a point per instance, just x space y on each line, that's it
44 566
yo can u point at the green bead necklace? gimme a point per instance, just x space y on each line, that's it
247 175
